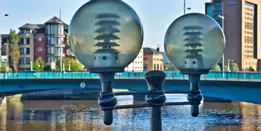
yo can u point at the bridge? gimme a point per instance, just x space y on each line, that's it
229 86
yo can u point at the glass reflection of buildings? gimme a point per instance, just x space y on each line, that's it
194 47
106 55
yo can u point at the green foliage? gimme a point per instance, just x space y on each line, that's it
14 49
3 67
234 67
47 67
170 67
216 69
10 70
70 65
251 68
39 65
226 68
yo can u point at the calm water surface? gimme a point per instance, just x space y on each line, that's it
85 116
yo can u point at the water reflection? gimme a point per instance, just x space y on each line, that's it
85 116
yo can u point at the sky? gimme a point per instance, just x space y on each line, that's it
155 15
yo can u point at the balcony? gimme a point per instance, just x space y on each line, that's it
55 35
55 54
26 35
56 45
25 65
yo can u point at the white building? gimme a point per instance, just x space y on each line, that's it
137 64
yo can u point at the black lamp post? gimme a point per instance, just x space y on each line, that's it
116 42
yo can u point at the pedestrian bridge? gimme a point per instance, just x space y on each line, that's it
229 86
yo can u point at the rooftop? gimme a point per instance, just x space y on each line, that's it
53 20
150 51
31 26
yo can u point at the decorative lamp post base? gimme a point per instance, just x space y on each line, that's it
195 94
155 97
107 98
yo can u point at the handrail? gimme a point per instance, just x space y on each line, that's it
232 76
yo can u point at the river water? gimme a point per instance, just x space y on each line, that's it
85 116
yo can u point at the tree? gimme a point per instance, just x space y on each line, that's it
70 65
14 49
38 65
42 65
234 67
216 69
3 67
226 68
170 67
47 67
251 68
76 66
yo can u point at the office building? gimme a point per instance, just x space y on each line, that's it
241 28
153 59
137 64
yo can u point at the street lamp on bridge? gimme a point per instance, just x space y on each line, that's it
2 14
106 41
185 8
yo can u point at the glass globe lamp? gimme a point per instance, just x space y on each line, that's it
105 35
194 43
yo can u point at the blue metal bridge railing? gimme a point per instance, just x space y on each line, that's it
235 76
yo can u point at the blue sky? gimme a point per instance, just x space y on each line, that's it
155 15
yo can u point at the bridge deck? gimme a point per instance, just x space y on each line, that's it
246 91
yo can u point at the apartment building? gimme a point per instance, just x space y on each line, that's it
45 42
137 64
241 28
153 59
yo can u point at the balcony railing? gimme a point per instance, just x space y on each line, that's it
130 75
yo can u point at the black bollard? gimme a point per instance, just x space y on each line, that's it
107 98
155 80
195 95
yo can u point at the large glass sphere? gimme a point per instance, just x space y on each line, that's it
194 43
105 35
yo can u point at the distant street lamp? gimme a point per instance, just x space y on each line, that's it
223 57
69 66
2 14
31 65
228 64
185 7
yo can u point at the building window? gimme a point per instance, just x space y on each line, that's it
145 66
26 41
24 61
25 51
25 31
52 59
52 50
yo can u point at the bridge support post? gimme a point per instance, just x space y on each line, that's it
155 81
195 94
107 98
